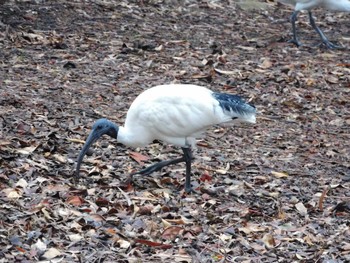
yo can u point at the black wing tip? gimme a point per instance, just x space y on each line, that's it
227 96
231 98
228 100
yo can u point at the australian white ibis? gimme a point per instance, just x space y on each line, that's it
308 5
176 114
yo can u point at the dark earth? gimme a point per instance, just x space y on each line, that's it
274 191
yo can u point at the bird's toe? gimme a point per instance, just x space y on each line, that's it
189 190
331 45
295 42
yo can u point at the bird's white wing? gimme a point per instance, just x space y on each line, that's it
174 113
178 113
177 116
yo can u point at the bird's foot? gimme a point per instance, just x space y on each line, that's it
157 166
331 45
189 190
326 43
295 42
148 170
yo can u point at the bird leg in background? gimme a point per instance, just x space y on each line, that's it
325 40
295 39
293 19
187 158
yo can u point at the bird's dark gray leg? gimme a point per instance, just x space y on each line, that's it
294 19
188 159
324 39
156 167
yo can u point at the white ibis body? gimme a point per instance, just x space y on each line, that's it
308 5
176 114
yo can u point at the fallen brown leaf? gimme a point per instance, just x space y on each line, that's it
138 157
172 232
75 200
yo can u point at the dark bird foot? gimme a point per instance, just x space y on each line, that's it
187 158
189 190
327 44
158 166
295 42
148 170
330 45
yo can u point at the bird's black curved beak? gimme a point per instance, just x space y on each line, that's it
100 128
89 141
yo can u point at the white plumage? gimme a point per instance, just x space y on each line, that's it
308 5
176 114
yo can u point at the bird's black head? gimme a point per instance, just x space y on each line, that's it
104 126
101 127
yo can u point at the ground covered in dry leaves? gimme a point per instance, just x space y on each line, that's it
276 191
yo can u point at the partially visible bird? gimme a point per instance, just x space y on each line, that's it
175 114
308 5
